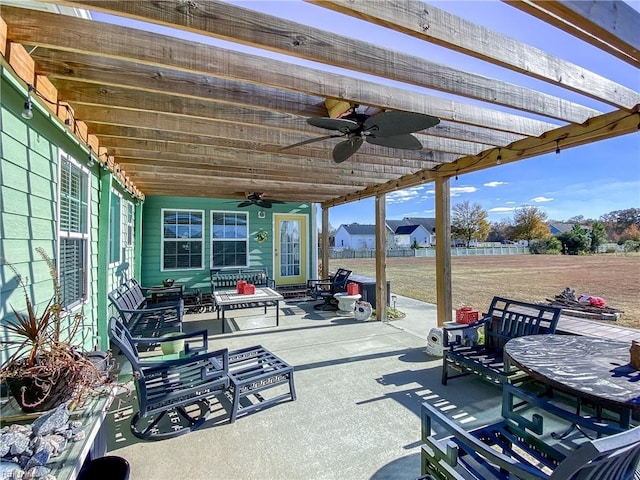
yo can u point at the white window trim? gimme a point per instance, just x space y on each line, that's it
82 236
211 240
130 207
162 239
119 260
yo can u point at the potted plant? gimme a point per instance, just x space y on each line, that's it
45 367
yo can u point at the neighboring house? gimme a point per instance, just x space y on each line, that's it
406 236
556 228
427 233
355 236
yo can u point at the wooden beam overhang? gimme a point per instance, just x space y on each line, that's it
228 22
434 25
204 59
610 25
605 126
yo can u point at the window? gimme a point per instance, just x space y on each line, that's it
73 232
115 221
182 239
128 216
229 239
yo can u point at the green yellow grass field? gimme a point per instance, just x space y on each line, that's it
533 278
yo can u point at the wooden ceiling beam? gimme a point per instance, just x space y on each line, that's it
62 65
79 35
80 93
329 171
612 26
256 135
229 22
431 24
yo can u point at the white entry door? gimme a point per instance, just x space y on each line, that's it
290 249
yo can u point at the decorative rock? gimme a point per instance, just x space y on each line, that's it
40 458
19 445
8 469
51 421
34 445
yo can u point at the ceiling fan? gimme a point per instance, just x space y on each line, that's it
389 129
257 198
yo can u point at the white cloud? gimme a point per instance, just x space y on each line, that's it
541 199
457 191
494 184
510 203
402 196
502 209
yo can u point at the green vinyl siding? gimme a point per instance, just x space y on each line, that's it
29 165
259 254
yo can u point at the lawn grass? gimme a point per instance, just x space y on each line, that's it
531 278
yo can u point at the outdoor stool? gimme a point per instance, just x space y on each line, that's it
253 372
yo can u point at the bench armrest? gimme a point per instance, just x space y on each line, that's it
219 358
447 449
465 326
142 311
199 338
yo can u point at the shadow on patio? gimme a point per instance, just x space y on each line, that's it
357 415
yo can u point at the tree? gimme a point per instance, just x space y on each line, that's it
529 223
469 222
575 241
598 234
618 221
500 231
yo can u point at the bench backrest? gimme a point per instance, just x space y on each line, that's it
608 458
512 318
227 279
128 296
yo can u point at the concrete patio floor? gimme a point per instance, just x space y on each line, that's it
357 416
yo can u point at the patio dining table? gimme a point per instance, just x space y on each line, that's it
593 369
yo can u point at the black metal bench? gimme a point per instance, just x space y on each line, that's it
517 447
143 318
254 375
228 279
506 319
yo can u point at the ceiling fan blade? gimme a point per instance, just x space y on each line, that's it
341 124
403 142
246 203
345 149
392 123
310 140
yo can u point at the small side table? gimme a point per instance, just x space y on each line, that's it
346 302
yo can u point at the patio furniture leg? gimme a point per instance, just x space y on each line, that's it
152 432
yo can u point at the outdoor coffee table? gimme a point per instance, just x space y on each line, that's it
231 300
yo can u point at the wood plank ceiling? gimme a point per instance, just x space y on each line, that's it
192 119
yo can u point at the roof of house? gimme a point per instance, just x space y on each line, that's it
406 229
358 229
564 227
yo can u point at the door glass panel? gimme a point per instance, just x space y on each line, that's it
290 248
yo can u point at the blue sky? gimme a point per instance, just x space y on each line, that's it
590 180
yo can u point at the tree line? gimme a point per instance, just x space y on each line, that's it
469 223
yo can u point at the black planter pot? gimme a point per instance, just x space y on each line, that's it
42 393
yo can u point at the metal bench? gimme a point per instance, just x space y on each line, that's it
506 319
515 448
257 377
143 318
